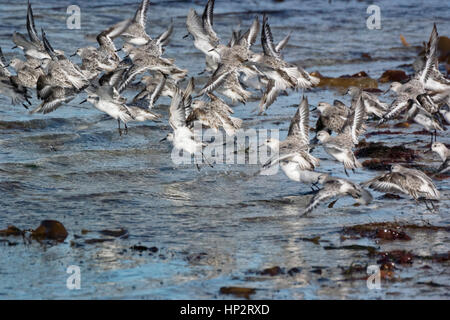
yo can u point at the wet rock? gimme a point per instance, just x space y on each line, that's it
395 257
345 82
274 271
115 233
141 248
402 125
238 291
390 196
97 240
11 231
361 74
381 152
376 164
356 247
314 240
391 234
50 230
393 75
294 271
380 230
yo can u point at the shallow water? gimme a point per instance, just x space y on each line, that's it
216 227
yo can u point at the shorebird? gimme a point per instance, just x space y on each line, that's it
444 153
28 72
106 98
340 146
280 74
135 33
34 47
408 181
154 88
183 137
332 118
293 152
214 114
54 98
372 104
61 71
104 58
408 92
143 62
445 113
205 38
337 187
10 85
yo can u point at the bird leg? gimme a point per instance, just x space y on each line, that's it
120 130
126 128
345 170
207 162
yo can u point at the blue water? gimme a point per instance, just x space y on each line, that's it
215 226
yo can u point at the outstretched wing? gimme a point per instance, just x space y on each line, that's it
267 39
300 122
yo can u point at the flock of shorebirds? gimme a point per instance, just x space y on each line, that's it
234 69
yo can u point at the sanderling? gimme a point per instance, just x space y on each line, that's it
182 136
205 38
408 181
281 74
371 102
431 122
214 114
10 85
340 146
104 58
444 153
408 92
445 112
154 88
293 152
28 72
54 98
62 71
135 33
34 47
332 118
106 98
337 187
143 62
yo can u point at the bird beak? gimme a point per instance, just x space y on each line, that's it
184 37
85 100
14 47
37 67
118 50
163 139
73 55
314 108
